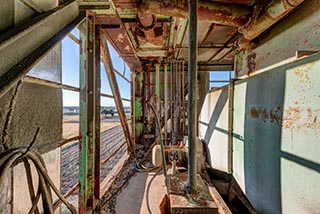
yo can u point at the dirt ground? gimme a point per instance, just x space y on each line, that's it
71 125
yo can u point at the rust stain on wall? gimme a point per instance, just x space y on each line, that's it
273 115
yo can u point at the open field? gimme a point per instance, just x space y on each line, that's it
71 124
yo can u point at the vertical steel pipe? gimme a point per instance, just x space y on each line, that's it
158 97
230 125
192 95
183 99
158 87
165 103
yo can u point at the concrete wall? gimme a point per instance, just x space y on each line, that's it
213 127
32 106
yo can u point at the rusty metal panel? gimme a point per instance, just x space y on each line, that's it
219 34
276 137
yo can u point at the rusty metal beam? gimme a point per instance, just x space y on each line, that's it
33 40
89 111
273 12
97 92
106 59
215 12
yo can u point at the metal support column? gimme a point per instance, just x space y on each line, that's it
165 103
106 59
158 87
192 95
89 113
230 126
158 97
97 88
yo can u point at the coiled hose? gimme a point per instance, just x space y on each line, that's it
12 156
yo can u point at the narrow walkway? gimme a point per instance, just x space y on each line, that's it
140 194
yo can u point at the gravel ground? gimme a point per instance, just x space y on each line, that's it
110 140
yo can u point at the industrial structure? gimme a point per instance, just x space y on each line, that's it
250 146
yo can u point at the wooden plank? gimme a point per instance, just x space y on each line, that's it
222 206
107 182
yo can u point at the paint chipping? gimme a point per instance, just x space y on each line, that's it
251 62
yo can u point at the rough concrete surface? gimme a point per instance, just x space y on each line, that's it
36 106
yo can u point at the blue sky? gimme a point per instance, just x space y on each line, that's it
70 73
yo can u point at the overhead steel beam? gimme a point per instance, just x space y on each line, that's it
193 94
273 12
106 59
215 12
21 49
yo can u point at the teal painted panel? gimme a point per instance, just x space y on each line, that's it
276 137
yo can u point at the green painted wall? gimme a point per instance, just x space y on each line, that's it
277 157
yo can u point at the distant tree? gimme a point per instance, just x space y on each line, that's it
108 111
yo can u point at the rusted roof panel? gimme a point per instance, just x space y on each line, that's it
219 34
117 35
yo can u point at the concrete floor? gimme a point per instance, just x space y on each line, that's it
133 200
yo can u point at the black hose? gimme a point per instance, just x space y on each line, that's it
161 143
11 156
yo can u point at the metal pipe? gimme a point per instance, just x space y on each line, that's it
183 99
192 94
158 98
230 125
165 103
215 12
273 12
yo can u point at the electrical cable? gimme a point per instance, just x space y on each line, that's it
11 156
161 142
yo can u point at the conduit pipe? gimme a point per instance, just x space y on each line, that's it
215 12
272 13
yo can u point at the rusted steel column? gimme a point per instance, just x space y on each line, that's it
97 91
165 103
87 117
192 95
106 59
